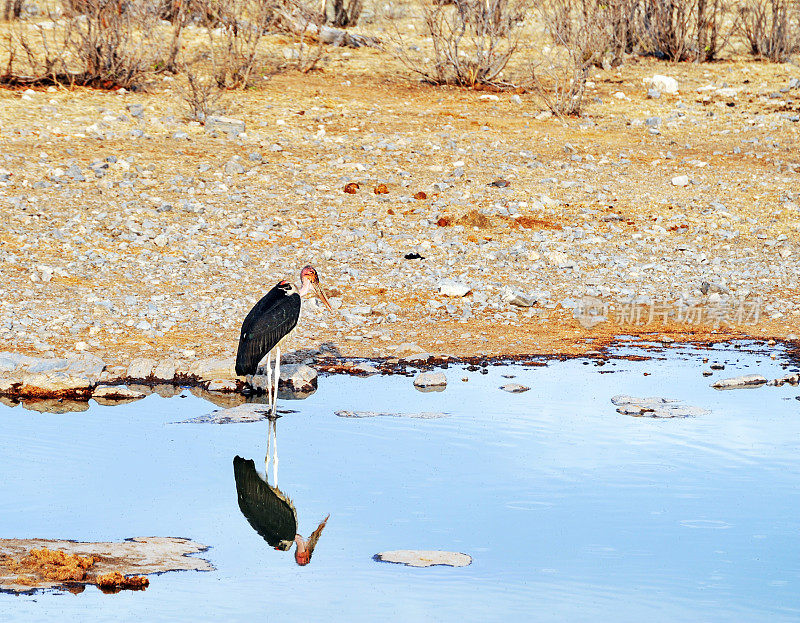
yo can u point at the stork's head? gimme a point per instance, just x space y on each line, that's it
309 286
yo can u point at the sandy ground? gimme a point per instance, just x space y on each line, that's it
360 94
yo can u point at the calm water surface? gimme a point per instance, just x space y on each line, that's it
571 511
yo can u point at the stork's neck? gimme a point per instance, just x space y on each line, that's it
305 288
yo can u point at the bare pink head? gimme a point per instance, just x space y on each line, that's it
309 286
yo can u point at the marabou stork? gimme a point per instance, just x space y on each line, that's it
271 320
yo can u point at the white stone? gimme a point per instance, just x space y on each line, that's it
665 84
680 180
448 287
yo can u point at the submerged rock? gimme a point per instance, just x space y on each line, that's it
423 415
748 380
249 412
655 407
425 558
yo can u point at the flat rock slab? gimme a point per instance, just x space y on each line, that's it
137 556
425 558
748 380
430 380
514 388
655 407
117 392
249 412
425 415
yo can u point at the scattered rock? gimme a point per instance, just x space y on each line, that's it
425 558
517 298
234 167
224 125
680 180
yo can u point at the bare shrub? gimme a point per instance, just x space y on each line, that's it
592 30
117 42
338 14
584 34
201 94
768 27
234 42
680 30
12 9
472 40
104 43
307 51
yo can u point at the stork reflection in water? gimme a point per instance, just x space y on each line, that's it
267 509
270 321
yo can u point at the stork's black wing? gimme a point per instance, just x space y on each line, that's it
267 323
266 509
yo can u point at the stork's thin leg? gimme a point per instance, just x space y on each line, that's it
269 450
275 454
277 379
269 376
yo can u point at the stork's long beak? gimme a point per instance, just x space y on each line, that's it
319 293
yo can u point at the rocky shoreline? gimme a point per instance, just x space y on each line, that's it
60 382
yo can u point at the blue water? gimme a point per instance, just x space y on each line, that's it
571 511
